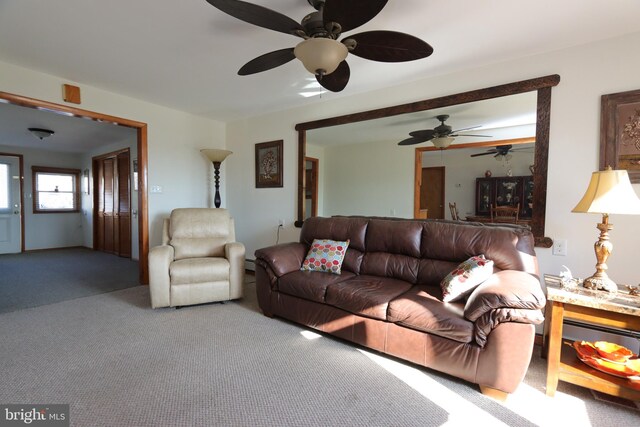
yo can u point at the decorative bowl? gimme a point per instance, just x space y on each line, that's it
612 352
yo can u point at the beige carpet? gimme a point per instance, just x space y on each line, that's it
117 362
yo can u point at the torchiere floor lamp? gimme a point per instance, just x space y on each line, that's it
216 156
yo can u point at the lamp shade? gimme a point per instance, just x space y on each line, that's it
321 56
216 155
443 141
609 192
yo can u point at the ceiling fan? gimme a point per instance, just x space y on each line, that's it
442 135
320 52
501 152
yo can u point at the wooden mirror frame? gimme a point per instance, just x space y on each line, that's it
542 85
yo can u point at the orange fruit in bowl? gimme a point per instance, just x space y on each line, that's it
613 352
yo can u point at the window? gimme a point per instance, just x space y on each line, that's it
4 186
55 189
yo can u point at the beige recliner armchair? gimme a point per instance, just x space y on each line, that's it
199 260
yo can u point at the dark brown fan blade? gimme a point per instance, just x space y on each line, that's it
390 46
351 14
484 154
426 134
468 134
267 61
337 80
413 141
257 15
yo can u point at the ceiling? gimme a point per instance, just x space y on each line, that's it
185 54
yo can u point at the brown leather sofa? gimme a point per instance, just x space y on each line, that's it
388 296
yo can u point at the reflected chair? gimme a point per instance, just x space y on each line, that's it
199 260
454 211
505 214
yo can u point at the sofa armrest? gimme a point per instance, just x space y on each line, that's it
507 296
234 252
160 258
282 259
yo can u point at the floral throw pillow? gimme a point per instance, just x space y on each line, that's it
465 278
325 256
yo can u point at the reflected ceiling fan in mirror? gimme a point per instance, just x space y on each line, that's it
501 152
441 136
320 51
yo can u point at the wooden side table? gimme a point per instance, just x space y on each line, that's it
598 310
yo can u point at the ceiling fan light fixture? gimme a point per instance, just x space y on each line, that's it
442 142
41 133
320 56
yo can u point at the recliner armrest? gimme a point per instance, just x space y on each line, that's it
283 258
160 257
234 252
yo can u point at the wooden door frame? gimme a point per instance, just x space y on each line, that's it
141 130
22 213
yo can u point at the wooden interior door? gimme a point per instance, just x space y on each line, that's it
112 199
432 191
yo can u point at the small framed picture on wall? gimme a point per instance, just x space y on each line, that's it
269 164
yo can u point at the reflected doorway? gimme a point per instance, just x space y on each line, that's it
432 192
311 172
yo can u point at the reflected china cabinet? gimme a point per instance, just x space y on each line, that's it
504 191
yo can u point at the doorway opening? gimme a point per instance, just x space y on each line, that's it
141 131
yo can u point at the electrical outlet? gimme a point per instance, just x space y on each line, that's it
559 247
281 222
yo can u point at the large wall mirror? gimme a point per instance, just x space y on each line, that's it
353 165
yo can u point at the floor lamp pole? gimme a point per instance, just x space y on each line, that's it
217 201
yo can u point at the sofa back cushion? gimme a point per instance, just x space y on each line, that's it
342 229
393 249
199 232
446 243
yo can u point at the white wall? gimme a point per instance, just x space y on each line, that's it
50 230
174 141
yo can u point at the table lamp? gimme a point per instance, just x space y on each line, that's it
609 192
216 156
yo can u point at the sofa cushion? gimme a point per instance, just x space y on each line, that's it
198 270
394 237
325 256
395 266
366 295
419 310
337 228
465 278
510 247
310 285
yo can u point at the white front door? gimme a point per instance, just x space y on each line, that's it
10 206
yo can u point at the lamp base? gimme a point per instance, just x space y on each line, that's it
603 248
600 282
